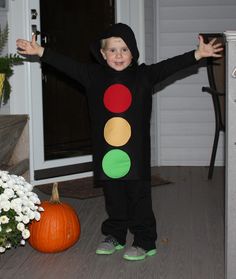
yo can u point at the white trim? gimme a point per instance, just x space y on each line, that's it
37 161
131 12
62 178
230 174
230 35
156 99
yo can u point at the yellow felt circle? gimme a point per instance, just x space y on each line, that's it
117 131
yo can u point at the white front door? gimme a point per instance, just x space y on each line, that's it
41 170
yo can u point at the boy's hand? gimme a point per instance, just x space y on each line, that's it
208 50
29 48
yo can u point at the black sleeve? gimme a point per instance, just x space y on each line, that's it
162 70
73 69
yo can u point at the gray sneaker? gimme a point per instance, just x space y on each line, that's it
137 253
108 246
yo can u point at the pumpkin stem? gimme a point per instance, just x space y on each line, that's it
55 194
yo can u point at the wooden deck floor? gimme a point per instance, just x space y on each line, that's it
190 219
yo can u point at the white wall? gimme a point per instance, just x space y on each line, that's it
4 109
19 28
185 117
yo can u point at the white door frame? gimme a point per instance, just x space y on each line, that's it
26 95
131 12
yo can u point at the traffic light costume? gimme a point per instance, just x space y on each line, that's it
120 105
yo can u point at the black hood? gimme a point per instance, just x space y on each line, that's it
117 30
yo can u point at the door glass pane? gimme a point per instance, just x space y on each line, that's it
69 27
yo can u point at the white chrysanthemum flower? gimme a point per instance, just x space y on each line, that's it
4 185
3 197
2 249
16 204
17 201
4 219
25 219
40 208
20 227
31 215
24 200
5 205
17 196
26 234
10 183
37 216
28 187
21 178
9 193
34 199
25 210
29 193
15 187
5 177
17 209
30 204
19 218
20 193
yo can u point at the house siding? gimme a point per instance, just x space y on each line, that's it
150 54
185 115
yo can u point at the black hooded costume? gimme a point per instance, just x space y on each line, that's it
120 105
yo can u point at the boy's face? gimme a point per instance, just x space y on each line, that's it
116 53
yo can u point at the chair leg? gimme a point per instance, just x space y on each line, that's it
213 154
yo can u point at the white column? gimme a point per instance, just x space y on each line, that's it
131 12
230 195
18 26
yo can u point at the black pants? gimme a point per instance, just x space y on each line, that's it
129 206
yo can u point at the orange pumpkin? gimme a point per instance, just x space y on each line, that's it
58 227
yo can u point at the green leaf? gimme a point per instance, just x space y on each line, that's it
6 63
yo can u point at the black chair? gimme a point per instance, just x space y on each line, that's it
216 78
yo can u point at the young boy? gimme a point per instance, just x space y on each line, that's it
119 93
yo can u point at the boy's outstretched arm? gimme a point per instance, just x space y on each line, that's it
70 67
208 50
29 48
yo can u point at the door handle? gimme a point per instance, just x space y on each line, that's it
34 30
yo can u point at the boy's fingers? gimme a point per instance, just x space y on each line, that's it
219 45
212 41
33 38
200 39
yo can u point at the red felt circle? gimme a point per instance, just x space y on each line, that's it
117 98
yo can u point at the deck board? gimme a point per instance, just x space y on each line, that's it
190 225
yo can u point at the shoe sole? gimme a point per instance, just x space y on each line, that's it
109 252
150 253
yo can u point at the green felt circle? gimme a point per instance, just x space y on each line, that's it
116 163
